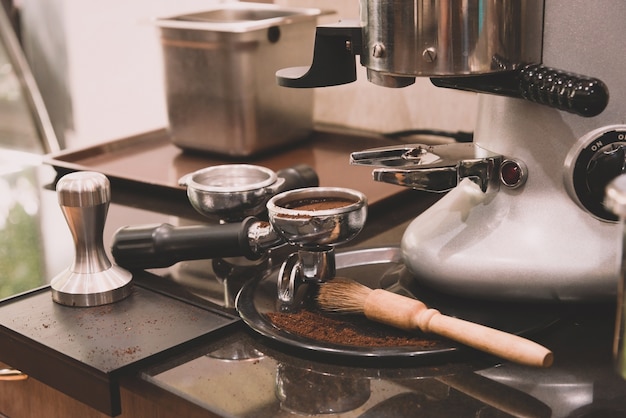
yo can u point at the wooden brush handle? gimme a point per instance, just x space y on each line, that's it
410 314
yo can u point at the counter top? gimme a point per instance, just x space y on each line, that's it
239 373
245 376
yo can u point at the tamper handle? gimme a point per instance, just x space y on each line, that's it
83 189
84 198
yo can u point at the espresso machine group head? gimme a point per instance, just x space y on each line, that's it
523 217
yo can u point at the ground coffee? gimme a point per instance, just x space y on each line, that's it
348 330
319 204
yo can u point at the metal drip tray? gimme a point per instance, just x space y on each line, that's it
383 268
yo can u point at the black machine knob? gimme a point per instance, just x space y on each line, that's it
602 160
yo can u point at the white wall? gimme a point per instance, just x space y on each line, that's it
100 71
99 64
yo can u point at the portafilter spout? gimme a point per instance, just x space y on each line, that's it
315 220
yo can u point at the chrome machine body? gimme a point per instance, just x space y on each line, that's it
523 217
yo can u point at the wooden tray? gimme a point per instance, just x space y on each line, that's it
150 160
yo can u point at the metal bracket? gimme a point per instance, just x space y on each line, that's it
434 168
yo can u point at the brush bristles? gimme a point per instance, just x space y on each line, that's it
342 296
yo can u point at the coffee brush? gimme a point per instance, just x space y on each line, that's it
347 296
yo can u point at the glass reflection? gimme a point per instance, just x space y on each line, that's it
25 136
20 235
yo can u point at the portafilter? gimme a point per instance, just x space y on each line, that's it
313 219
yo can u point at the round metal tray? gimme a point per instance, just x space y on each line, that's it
383 268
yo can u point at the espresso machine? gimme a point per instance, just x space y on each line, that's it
523 217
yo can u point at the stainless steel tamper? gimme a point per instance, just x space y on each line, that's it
91 279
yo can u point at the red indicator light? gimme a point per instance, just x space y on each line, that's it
512 173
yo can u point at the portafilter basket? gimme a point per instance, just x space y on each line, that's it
230 192
315 220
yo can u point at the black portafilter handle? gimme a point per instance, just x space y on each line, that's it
297 177
158 246
573 93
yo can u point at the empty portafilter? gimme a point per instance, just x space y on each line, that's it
91 279
231 192
315 220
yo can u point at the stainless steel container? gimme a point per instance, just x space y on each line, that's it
220 83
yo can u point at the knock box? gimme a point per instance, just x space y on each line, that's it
220 82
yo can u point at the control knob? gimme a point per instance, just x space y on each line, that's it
601 158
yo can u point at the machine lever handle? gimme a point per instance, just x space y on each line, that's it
150 246
584 96
574 93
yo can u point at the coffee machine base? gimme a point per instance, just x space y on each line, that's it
492 247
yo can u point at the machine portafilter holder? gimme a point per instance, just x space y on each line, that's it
315 220
91 279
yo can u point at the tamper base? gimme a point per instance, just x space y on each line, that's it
91 289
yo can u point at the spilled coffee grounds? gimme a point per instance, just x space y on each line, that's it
348 330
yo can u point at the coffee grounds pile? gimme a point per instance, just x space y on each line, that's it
348 330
